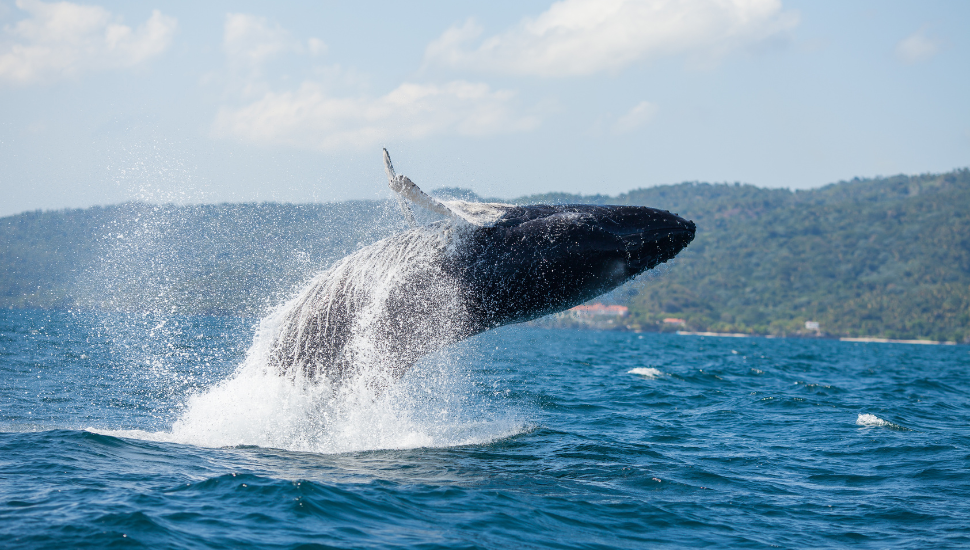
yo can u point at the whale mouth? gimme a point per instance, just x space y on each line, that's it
679 234
657 243
644 237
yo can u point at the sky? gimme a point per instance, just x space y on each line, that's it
191 102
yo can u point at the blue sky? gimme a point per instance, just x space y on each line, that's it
247 101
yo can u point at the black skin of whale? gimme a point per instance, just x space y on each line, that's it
533 261
544 259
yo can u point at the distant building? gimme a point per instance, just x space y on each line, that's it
812 325
674 321
590 317
600 309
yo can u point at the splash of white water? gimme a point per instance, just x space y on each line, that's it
269 404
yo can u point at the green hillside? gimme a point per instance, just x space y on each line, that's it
886 257
224 258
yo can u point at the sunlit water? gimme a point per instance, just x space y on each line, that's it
144 431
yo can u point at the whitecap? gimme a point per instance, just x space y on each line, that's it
646 372
873 421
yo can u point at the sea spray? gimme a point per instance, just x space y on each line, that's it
286 393
150 264
374 313
436 405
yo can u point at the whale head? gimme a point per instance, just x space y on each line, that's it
541 259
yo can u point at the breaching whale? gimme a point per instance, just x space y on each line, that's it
482 266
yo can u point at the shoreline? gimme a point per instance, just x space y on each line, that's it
867 340
546 324
863 339
717 334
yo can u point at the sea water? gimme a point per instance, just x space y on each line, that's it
145 431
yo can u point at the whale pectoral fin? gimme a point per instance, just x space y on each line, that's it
389 168
404 187
392 181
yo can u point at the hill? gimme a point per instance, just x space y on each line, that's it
885 257
206 259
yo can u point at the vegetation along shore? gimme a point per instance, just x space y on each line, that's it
881 258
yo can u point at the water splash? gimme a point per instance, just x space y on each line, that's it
274 399
373 314
258 408
438 404
324 372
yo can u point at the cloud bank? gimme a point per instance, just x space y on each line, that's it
62 40
309 118
584 37
251 40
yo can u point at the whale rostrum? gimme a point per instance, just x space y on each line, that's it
482 266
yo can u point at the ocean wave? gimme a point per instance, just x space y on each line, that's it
646 372
873 421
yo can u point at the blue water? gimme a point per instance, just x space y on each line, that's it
111 436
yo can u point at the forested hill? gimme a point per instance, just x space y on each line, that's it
207 259
877 257
885 257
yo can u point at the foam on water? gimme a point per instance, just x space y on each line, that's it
871 420
435 406
646 372
268 412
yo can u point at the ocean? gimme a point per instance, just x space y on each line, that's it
143 431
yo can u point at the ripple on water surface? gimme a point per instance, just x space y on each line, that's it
519 437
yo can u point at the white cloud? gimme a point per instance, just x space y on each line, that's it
582 37
63 39
917 47
316 117
316 46
638 116
251 40
310 118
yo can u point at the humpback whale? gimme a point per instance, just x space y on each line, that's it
483 265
